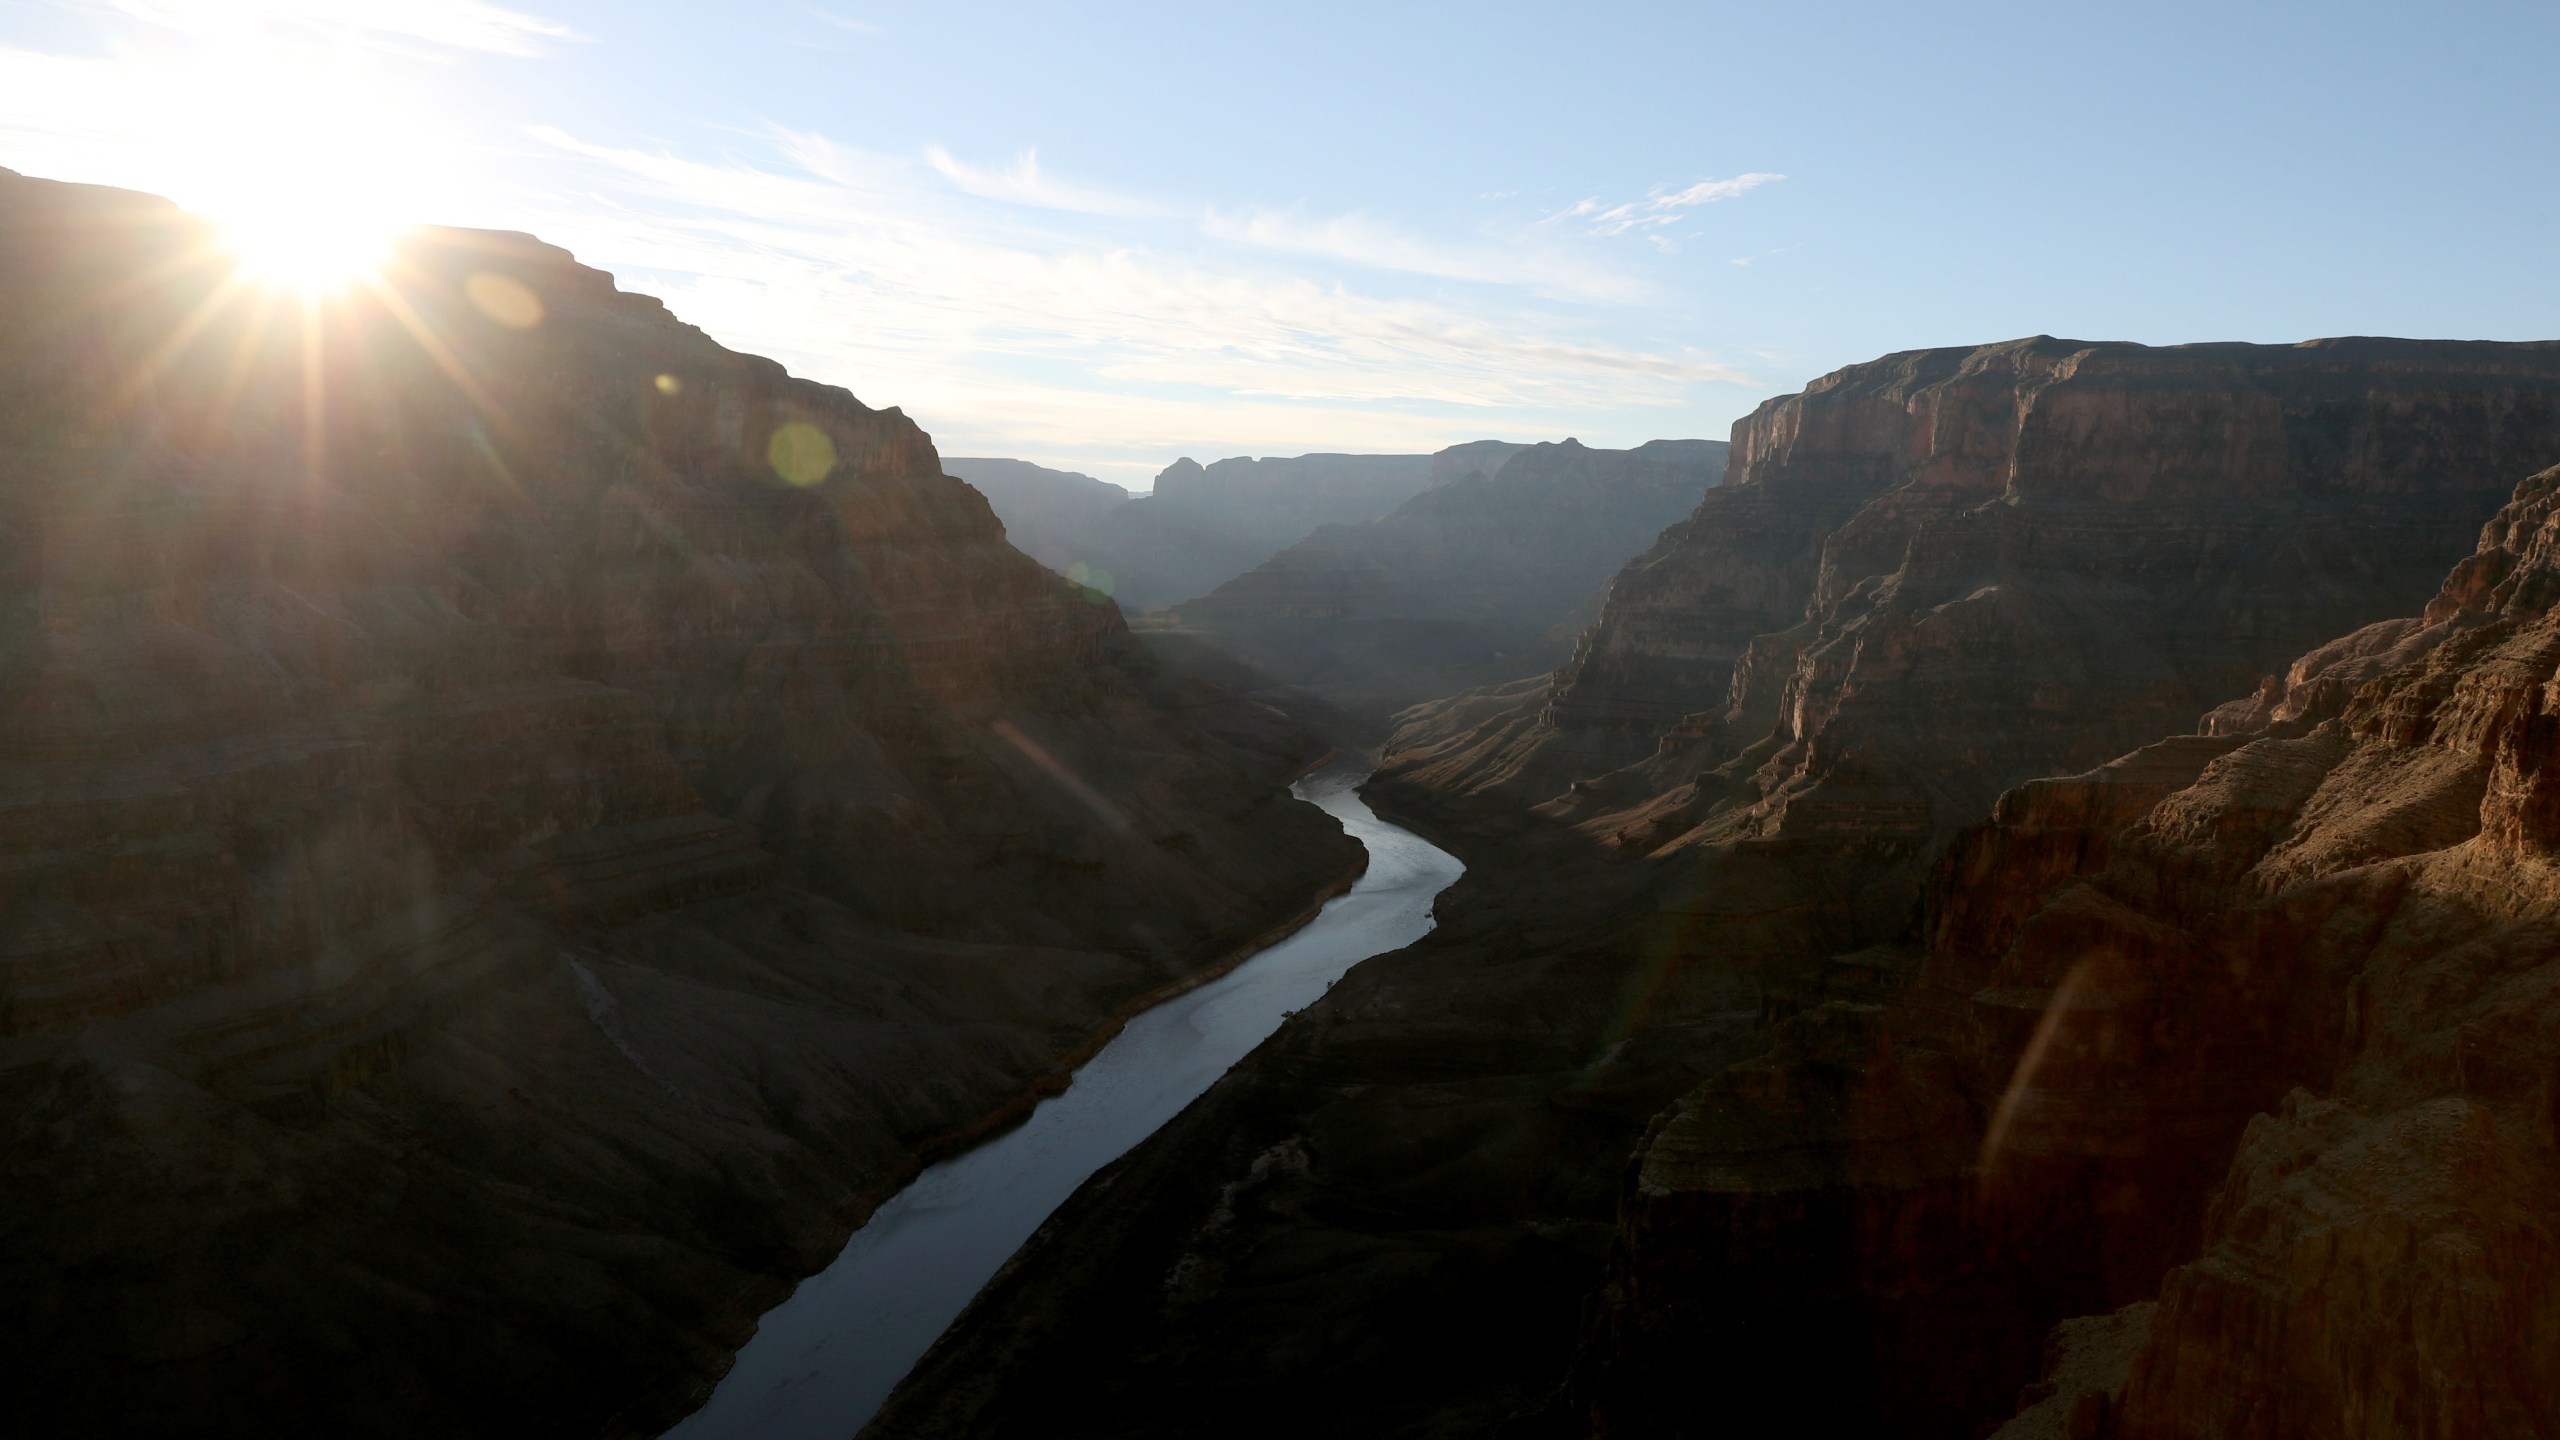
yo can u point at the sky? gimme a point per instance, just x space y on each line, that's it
1103 235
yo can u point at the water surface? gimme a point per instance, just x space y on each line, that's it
822 1361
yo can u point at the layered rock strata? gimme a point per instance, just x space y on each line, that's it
1694 861
2052 548
517 826
1475 580
2249 1033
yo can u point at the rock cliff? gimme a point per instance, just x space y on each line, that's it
1046 513
1475 580
519 825
2053 549
1694 861
2246 1037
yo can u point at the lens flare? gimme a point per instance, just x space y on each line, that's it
801 453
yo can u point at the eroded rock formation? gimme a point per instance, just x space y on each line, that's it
1046 513
2258 1022
1694 861
1475 580
2056 550
519 825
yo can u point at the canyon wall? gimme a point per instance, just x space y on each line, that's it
519 826
1430 1205
1478 579
2052 548
2244 1039
1046 513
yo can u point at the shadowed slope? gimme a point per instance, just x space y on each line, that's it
517 825
1477 580
1926 580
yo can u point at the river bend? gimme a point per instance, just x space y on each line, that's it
822 1362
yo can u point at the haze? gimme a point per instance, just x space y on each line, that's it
1098 237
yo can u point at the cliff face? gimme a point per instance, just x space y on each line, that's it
1957 568
1046 513
2257 1023
1464 584
1694 859
519 825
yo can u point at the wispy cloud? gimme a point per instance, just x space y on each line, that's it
1358 240
1010 308
1662 206
1023 183
452 24
849 23
860 268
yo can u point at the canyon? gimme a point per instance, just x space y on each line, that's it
1781 1063
1478 579
1046 513
1203 525
2025 908
520 826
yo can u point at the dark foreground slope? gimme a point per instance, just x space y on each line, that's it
517 826
1924 581
1471 582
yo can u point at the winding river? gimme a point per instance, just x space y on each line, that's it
822 1361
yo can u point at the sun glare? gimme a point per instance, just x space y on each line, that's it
306 245
311 168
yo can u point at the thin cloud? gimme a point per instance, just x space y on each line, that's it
1662 206
1357 240
1022 183
868 270
849 23
986 301
450 24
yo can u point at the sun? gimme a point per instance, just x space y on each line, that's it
311 170
307 244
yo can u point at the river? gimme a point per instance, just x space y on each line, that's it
822 1362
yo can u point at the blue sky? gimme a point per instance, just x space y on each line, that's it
1103 235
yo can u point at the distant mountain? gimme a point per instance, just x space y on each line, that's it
1046 513
1468 583
1204 524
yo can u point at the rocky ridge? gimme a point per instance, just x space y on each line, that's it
1046 513
1924 581
1478 579
1203 525
2244 1037
519 825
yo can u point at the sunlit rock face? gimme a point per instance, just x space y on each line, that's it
1954 568
519 825
1476 580
2262 1024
